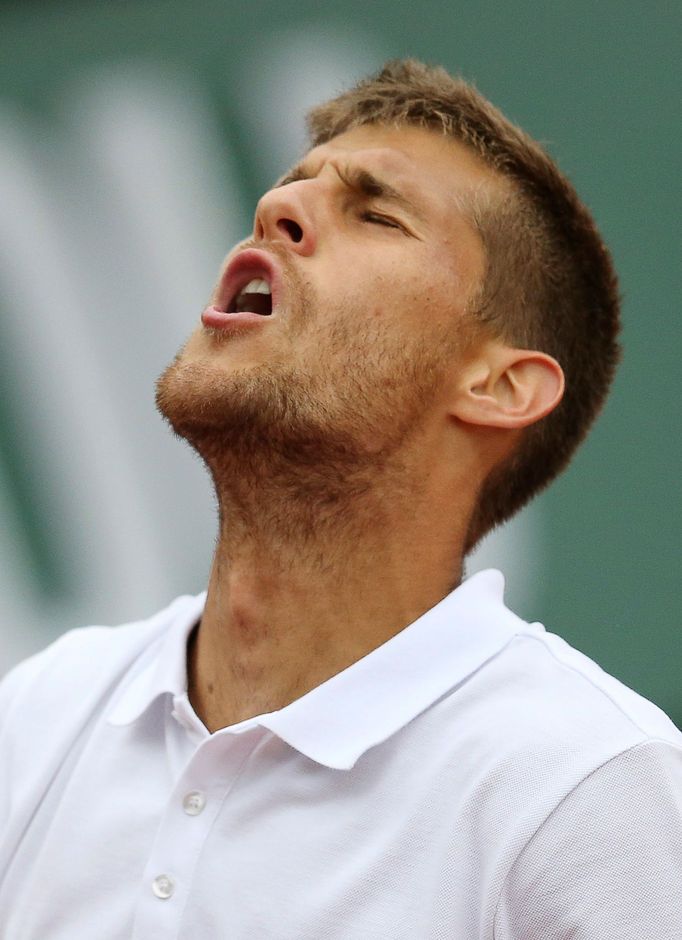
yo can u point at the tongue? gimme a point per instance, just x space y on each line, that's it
255 303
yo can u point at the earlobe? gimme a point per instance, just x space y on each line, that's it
510 388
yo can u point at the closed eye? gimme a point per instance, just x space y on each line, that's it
379 219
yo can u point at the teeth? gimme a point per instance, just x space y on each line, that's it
248 298
257 286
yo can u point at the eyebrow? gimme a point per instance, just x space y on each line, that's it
362 182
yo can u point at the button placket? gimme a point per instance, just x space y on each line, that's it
183 829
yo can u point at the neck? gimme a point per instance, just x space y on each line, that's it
309 577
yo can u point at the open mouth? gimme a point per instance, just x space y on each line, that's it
254 297
250 289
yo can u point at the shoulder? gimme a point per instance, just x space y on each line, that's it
48 703
566 689
567 718
73 673
538 720
541 707
559 716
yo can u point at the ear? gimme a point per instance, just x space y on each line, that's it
508 388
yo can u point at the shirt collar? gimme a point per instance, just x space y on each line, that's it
162 668
336 722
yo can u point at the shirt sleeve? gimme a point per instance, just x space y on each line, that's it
607 863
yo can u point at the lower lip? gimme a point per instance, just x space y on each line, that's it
220 320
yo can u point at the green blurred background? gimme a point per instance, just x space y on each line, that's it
135 139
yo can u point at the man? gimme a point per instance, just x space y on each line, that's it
343 738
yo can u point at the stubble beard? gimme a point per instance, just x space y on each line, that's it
295 448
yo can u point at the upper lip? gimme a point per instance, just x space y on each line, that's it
249 264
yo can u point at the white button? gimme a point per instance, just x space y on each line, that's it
194 802
163 887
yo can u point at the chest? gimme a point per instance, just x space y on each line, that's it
243 837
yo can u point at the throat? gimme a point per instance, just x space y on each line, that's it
240 667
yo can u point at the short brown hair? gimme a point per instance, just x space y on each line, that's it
549 283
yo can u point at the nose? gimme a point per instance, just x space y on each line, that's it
282 216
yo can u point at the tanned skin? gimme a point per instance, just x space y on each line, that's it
348 434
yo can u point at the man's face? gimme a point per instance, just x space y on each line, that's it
372 263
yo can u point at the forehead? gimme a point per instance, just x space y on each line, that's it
428 166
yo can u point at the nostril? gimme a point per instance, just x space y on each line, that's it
293 229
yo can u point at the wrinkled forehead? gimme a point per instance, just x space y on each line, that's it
431 169
379 150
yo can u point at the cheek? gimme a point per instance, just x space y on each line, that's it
397 299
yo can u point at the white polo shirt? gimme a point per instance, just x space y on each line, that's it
473 778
